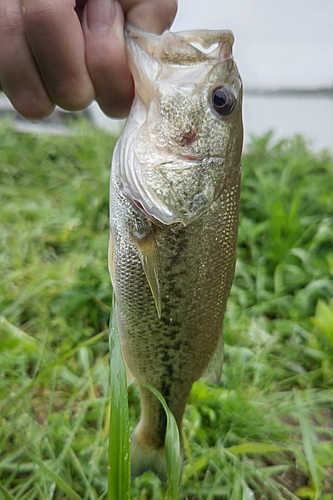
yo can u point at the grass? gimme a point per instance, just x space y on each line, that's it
266 432
119 442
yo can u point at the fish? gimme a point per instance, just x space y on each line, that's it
174 208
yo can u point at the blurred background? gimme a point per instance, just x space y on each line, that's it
284 51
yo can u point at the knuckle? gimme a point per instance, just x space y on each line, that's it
10 22
165 12
43 11
31 106
116 112
151 15
118 108
71 94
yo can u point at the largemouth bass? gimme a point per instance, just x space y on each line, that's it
174 207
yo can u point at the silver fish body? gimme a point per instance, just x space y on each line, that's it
174 207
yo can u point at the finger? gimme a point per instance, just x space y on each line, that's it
151 15
103 27
57 43
19 76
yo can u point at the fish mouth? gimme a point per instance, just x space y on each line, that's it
184 161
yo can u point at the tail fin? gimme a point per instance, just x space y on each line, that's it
145 457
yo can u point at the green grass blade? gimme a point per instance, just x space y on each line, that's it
78 467
7 403
57 479
6 494
254 448
307 443
172 447
119 439
236 491
11 336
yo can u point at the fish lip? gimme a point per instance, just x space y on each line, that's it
173 161
191 158
184 162
197 159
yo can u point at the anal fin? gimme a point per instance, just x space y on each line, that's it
213 371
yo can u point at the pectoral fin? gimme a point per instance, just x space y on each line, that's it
150 259
111 259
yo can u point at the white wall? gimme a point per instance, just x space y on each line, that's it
280 43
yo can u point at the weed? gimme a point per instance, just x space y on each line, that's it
265 432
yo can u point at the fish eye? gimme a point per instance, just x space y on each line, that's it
223 100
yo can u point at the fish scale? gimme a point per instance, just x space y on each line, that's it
173 236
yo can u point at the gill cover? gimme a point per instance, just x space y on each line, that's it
166 164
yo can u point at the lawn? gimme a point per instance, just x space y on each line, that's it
266 431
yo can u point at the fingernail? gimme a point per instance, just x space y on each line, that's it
100 15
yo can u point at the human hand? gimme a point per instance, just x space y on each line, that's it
69 52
